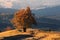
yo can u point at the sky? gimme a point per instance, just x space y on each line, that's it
34 4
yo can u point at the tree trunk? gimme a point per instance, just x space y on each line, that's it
24 29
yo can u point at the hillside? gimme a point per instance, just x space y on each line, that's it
35 34
43 23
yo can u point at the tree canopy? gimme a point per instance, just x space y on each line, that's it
23 18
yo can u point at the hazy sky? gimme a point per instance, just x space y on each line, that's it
34 4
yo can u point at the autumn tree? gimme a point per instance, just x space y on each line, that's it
23 19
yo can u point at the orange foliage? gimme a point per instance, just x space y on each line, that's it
23 18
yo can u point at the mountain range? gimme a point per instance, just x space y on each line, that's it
52 12
48 18
7 10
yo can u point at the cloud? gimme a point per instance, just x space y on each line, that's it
43 3
6 3
34 4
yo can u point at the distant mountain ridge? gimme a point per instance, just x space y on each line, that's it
7 10
52 12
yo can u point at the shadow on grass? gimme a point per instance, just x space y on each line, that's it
17 37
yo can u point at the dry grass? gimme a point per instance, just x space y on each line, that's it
37 34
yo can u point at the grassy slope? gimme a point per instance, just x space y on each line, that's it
37 34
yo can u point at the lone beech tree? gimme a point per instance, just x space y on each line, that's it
23 19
